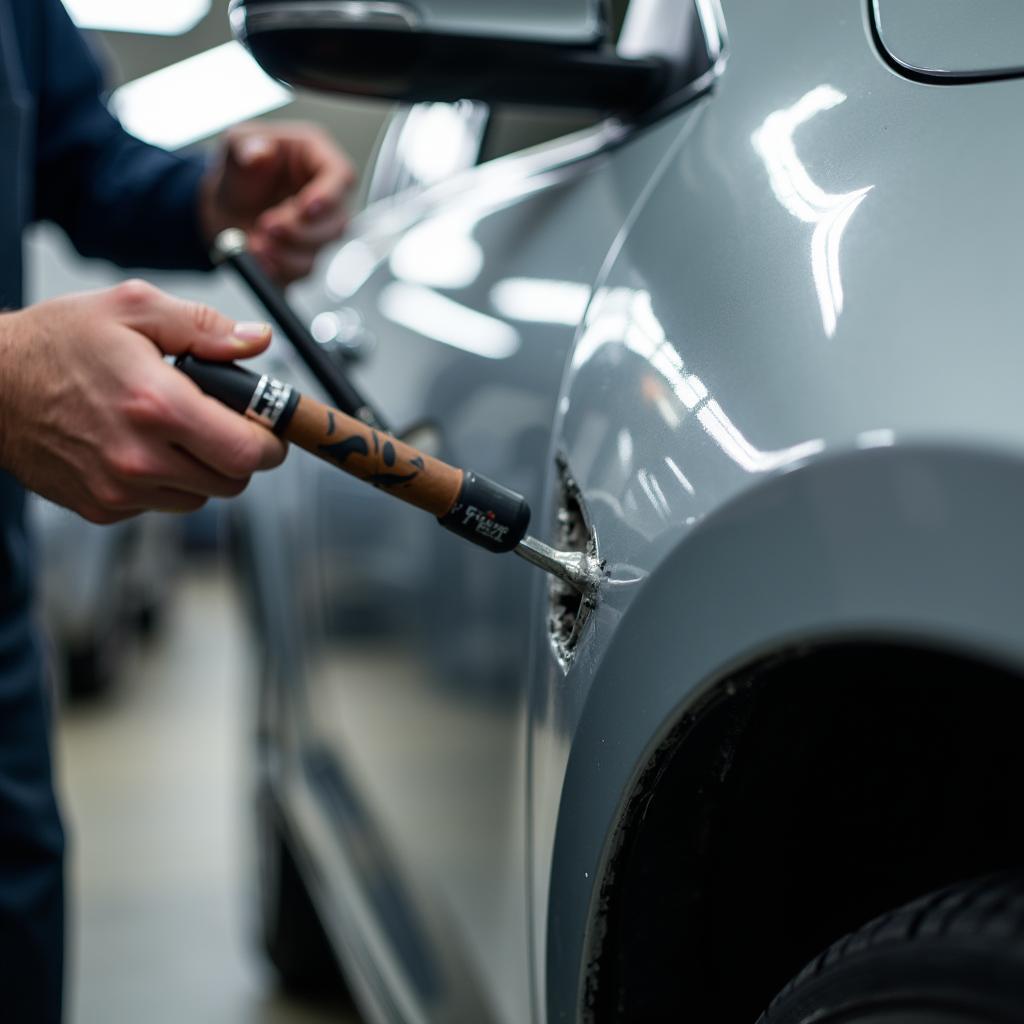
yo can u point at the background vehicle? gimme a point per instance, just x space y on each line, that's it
100 588
758 343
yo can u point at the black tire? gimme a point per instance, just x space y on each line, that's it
293 937
953 957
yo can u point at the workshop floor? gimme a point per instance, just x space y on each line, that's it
155 796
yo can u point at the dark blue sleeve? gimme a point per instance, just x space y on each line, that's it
115 196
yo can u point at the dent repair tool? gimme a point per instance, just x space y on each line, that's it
471 506
231 247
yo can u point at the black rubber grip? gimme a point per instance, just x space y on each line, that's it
488 515
234 386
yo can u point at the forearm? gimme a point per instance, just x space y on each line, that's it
134 205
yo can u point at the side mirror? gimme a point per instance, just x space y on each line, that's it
537 52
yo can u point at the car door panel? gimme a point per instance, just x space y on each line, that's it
419 647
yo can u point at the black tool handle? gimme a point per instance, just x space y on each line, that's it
231 248
475 508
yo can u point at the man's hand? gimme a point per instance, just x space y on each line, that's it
95 420
285 184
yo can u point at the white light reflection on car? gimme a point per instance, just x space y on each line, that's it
437 141
541 300
436 316
684 481
440 252
883 438
351 268
625 446
829 212
625 317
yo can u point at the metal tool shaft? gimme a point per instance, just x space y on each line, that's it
578 569
232 248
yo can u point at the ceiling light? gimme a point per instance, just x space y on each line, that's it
197 97
153 17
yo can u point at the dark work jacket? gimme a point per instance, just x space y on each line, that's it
64 158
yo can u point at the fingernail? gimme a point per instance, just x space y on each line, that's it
316 207
245 333
252 149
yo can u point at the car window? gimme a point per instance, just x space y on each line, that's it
510 129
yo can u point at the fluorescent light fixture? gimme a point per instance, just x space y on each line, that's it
197 97
152 17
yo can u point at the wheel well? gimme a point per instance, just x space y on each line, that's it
809 794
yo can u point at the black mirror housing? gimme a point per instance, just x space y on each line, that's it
351 48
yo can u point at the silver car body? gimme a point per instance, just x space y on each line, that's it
774 335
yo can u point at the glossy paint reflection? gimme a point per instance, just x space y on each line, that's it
350 268
624 318
794 188
437 141
536 300
440 252
433 315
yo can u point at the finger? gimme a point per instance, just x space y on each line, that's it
255 167
286 265
333 177
229 444
100 516
170 500
178 326
180 470
251 149
286 228
177 411
118 498
330 176
322 176
162 499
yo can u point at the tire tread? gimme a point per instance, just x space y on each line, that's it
991 908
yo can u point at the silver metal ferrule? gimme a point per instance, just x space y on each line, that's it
579 570
268 401
230 242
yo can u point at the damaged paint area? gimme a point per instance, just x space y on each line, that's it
569 608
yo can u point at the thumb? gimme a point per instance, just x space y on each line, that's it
250 150
177 326
252 168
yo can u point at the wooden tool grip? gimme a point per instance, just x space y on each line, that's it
471 506
375 457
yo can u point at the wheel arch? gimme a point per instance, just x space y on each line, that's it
911 551
811 793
